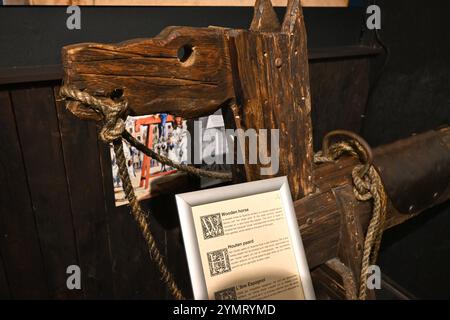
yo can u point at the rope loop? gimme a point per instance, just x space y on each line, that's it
114 126
367 185
111 111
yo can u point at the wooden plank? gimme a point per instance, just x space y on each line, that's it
41 146
11 75
342 52
4 285
19 241
81 158
272 91
135 276
177 261
175 252
339 93
219 3
184 71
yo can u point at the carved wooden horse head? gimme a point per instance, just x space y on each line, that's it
258 76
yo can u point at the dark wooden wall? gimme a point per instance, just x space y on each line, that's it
56 195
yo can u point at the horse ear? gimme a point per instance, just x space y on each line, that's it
264 17
293 19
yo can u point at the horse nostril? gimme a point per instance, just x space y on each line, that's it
116 94
184 52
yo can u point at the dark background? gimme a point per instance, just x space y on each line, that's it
409 93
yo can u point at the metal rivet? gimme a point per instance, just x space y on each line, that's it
309 221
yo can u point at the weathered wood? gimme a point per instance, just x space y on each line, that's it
37 122
128 248
165 213
264 17
427 153
178 3
319 215
19 237
26 74
270 72
193 71
90 220
260 78
351 240
334 280
183 71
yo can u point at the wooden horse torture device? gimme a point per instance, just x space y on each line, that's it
259 78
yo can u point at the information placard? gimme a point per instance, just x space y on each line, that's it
242 242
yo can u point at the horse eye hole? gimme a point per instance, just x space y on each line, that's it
184 52
116 94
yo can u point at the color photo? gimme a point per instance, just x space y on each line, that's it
163 133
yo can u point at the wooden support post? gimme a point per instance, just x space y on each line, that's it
334 280
271 83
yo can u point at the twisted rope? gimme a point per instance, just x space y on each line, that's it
141 219
109 110
114 127
112 131
367 185
190 169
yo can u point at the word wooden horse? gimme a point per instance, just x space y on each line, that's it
259 78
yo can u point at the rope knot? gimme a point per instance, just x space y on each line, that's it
85 106
367 185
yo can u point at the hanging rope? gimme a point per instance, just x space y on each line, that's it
141 219
112 130
367 185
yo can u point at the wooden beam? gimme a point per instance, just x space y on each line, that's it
182 71
319 215
181 3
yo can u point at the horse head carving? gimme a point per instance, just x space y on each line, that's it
258 76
